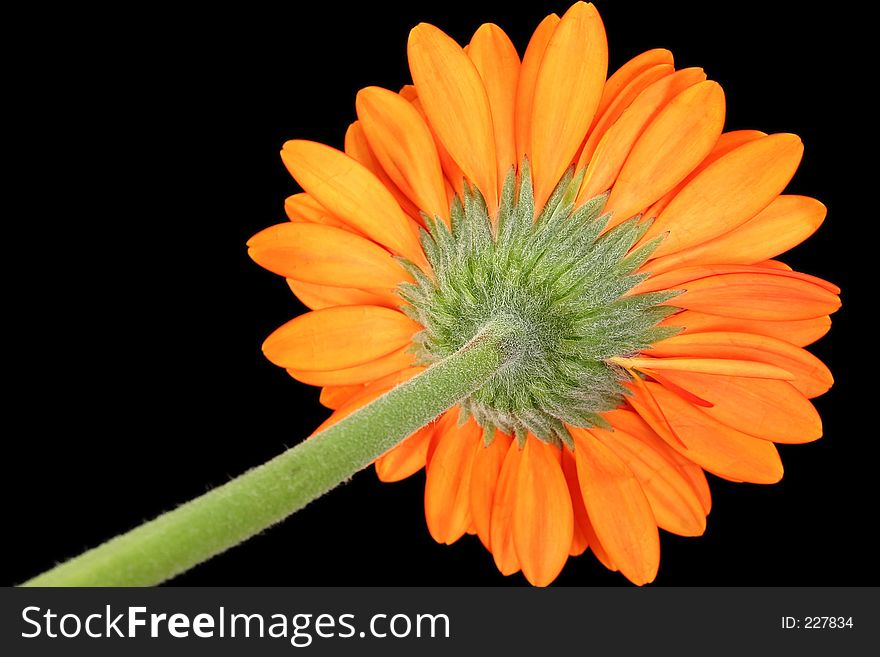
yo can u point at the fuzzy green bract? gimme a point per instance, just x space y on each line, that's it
560 281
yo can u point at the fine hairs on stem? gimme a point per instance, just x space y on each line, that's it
230 514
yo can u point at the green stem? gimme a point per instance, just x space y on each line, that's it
226 516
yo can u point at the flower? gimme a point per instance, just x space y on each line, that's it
630 236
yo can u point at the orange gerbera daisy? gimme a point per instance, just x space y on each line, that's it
620 228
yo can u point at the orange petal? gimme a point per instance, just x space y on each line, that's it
811 376
447 484
720 449
408 92
649 407
727 193
567 92
335 396
623 77
317 297
726 143
767 296
684 276
340 337
778 264
730 367
326 256
618 509
302 207
503 506
525 90
404 146
599 552
579 539
674 503
799 332
367 394
497 62
783 224
451 171
397 360
543 524
452 94
673 144
407 458
352 193
635 426
358 148
618 104
617 142
772 410
484 480
667 383
697 478
584 534
447 421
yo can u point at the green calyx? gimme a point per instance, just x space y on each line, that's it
559 283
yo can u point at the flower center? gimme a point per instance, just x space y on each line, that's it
561 281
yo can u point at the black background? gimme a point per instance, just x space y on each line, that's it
145 151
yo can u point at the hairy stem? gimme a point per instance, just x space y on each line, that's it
228 515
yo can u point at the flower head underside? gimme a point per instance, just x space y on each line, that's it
628 238
563 282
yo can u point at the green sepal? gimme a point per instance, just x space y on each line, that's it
563 279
